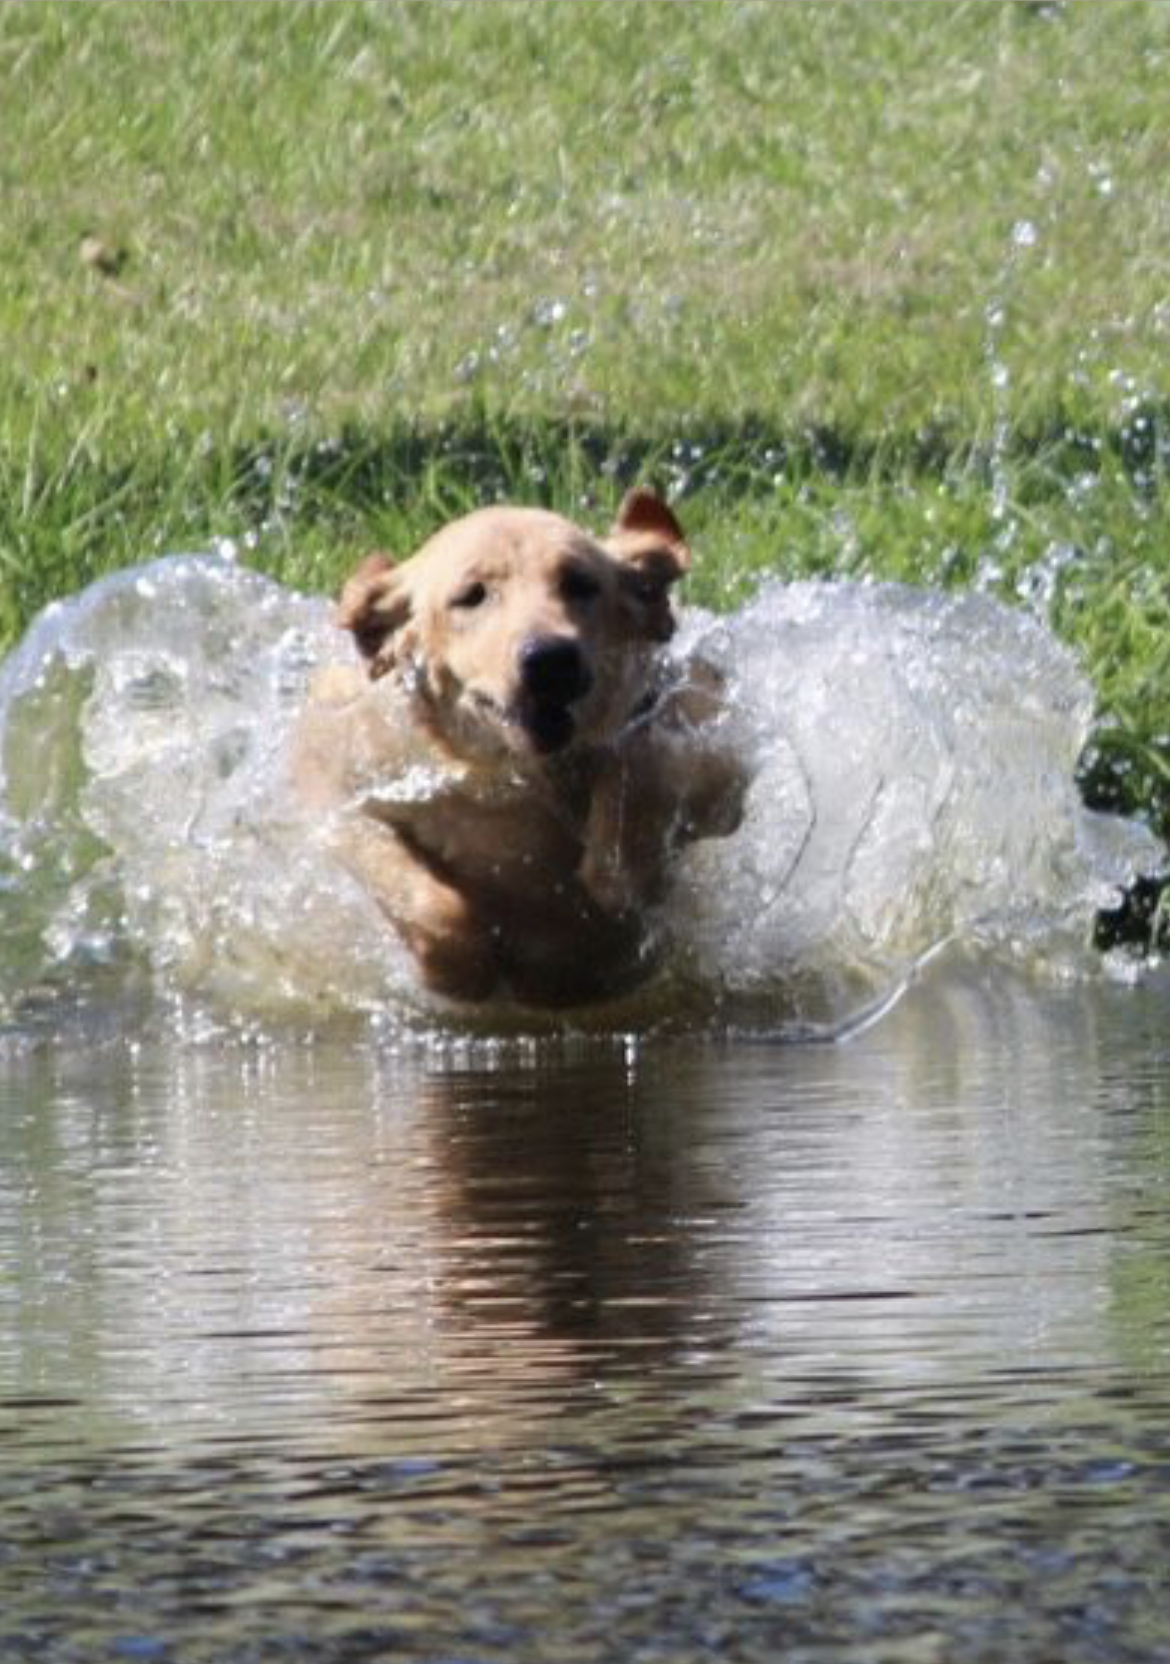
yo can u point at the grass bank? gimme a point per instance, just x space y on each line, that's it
873 288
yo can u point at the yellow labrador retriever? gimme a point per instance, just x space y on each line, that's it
515 763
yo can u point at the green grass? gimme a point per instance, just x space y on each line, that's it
344 213
874 288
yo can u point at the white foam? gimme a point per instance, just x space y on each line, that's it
914 760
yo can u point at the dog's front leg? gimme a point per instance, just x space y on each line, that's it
698 766
451 945
672 780
631 828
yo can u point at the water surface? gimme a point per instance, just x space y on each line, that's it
595 1349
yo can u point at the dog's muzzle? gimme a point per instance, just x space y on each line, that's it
554 675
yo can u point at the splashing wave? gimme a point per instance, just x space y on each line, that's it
914 787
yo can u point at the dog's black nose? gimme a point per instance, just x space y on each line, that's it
554 668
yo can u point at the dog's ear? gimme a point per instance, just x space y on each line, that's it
650 545
644 514
375 604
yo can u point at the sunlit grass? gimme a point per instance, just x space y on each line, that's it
341 213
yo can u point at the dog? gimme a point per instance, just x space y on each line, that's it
514 761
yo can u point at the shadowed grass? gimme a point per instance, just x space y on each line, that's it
1069 526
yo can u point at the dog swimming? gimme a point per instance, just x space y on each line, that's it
509 784
517 663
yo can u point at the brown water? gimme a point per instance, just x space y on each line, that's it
595 1350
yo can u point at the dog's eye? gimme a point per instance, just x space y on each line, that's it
471 595
646 588
579 585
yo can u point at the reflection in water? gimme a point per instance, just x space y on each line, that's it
580 1351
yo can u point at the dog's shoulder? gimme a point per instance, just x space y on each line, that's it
337 684
351 731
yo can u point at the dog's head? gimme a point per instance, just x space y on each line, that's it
521 633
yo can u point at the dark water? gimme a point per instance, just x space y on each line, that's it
593 1352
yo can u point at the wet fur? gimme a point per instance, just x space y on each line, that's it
511 769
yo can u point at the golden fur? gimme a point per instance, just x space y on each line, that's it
512 768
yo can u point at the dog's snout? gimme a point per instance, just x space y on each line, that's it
554 668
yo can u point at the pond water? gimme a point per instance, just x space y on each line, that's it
339 1325
595 1349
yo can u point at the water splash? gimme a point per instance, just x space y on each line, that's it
1022 242
916 787
914 762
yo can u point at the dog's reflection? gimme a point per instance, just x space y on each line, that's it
566 1201
330 1241
271 1243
